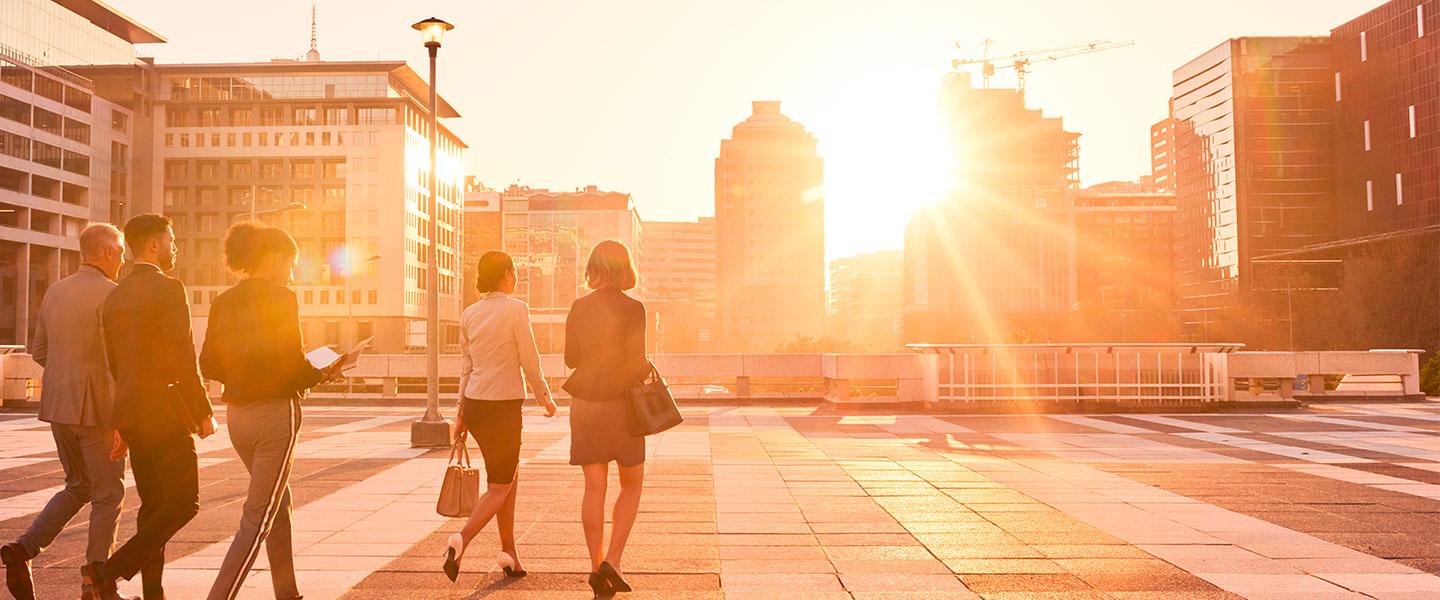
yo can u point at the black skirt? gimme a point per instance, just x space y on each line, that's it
600 433
495 427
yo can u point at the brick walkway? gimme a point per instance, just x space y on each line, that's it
1339 501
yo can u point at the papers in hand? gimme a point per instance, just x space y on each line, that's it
323 357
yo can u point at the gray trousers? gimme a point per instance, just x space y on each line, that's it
264 435
90 477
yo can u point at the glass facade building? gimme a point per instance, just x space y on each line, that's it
1254 163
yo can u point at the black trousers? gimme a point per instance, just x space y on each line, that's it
167 480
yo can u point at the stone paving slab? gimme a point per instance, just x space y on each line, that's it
1338 501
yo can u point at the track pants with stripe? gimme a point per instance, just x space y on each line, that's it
264 435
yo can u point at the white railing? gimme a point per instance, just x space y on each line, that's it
1078 375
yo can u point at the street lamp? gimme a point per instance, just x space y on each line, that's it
432 430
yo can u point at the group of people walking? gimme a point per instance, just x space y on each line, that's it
121 376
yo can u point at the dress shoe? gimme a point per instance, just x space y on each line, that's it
101 584
17 571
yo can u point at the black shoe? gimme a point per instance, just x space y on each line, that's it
600 585
454 548
17 571
613 577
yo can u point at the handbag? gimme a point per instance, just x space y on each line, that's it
651 407
460 490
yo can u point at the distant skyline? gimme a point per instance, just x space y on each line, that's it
635 95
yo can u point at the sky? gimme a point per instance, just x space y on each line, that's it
635 95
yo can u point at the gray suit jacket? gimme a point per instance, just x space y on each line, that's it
69 342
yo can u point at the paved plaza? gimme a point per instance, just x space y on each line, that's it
1335 501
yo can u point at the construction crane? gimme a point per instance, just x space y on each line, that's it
1021 61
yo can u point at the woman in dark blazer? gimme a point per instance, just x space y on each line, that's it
605 344
253 346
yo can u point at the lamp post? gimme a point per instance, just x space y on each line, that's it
432 430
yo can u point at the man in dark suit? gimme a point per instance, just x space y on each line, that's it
159 403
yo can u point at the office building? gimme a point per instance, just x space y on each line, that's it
677 284
867 300
769 233
68 151
550 235
1125 268
1254 161
1387 134
1162 156
995 260
336 153
484 231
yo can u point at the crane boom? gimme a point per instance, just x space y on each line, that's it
1021 61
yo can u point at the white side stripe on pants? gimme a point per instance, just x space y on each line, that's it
271 509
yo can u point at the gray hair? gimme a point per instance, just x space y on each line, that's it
96 238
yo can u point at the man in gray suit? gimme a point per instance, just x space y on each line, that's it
75 399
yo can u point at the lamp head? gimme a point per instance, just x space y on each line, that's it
432 31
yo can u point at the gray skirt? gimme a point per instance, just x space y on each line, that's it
600 433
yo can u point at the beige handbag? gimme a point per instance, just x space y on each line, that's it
461 489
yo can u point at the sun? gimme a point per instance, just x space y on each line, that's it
885 157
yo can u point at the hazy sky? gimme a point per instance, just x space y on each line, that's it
635 95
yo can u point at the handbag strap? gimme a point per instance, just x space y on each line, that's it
464 452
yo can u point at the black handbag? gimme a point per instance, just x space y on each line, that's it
651 407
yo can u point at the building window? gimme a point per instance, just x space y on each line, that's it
1420 21
241 117
1364 50
1367 135
1369 195
1412 121
1399 190
1337 86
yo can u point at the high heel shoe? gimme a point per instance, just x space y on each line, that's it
616 581
507 563
600 585
454 549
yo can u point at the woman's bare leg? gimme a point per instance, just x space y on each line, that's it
505 519
627 505
490 503
592 511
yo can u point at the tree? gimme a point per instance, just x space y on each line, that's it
805 344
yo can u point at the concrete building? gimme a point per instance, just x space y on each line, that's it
769 233
1125 267
336 153
677 283
484 231
550 235
1254 162
68 152
995 260
867 300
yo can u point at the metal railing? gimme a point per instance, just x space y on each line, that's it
1079 373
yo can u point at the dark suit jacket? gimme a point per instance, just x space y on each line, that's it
152 355
605 344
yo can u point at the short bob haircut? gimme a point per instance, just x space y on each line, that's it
610 267
491 270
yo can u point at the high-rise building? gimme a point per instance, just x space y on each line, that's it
550 235
677 283
769 233
484 231
1162 155
1254 161
867 300
1387 186
68 150
336 153
1125 266
995 260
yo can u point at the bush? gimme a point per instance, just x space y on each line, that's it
1430 375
